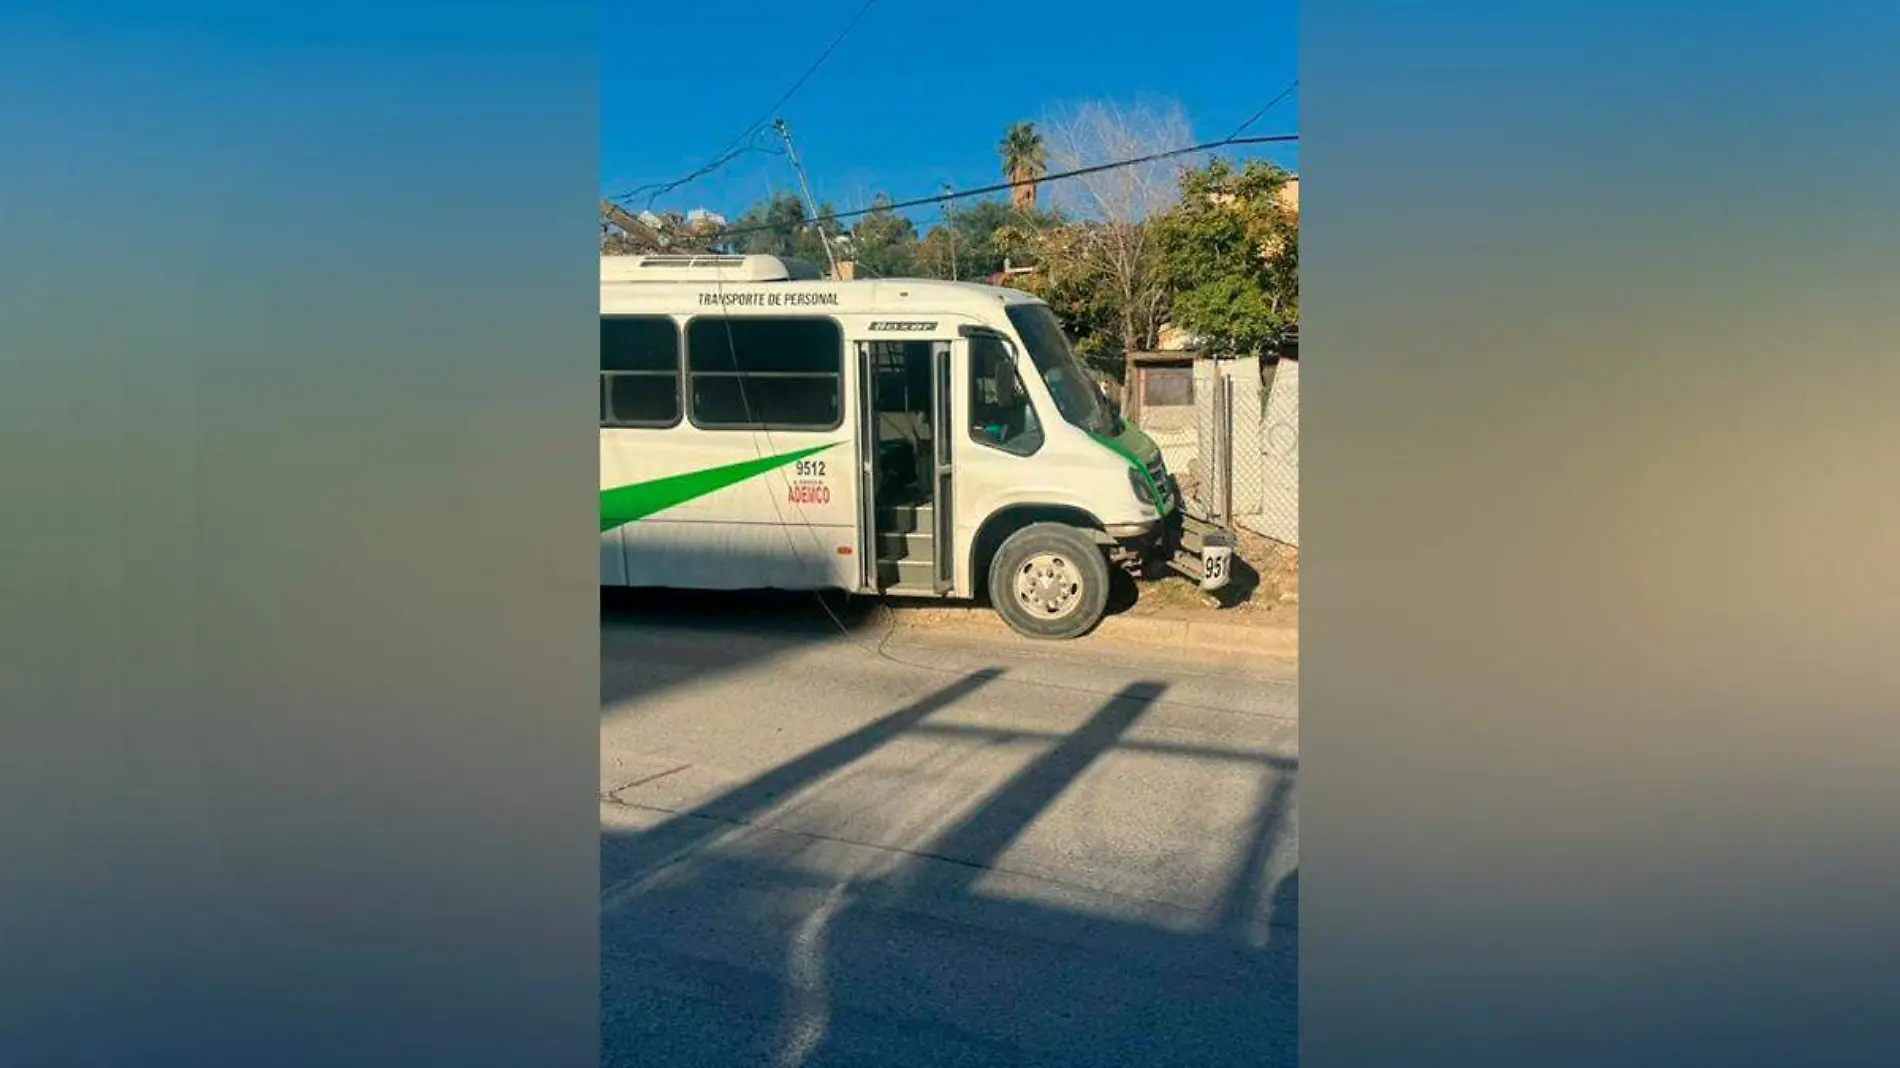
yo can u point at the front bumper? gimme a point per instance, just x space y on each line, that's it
1193 548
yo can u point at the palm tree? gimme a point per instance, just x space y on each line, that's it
1024 158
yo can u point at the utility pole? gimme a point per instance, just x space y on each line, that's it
810 206
637 231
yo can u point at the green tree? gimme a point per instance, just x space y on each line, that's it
970 243
939 257
809 242
776 226
770 227
1073 283
1230 256
884 243
1025 157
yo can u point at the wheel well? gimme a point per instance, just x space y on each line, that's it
1006 521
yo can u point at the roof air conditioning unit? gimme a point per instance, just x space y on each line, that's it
689 267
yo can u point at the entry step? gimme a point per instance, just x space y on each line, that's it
906 519
921 574
916 545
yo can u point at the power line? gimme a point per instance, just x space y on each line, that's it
726 154
732 152
1264 108
819 62
1000 187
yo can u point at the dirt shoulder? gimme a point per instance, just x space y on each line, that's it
1265 591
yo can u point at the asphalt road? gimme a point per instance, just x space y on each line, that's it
866 848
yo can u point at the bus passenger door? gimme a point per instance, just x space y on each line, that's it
869 541
945 466
904 466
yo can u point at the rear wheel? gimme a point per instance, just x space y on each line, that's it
1049 581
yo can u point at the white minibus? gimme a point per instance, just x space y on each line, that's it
762 426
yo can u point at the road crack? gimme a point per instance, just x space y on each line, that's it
612 797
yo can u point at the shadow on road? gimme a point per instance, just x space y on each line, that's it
651 850
648 636
779 611
723 941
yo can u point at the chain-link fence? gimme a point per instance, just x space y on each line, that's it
1237 453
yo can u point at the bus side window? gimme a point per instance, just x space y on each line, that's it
639 372
755 373
1001 415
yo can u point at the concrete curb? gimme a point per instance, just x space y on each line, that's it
1210 636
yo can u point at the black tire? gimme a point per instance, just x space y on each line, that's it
1070 595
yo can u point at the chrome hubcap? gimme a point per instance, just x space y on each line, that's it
1048 585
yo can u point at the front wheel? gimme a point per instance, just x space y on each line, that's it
1049 581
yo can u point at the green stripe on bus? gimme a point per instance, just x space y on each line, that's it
629 504
1155 495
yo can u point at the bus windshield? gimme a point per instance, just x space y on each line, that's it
1077 399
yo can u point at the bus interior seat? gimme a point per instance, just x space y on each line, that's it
1002 416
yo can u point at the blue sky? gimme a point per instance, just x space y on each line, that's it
919 93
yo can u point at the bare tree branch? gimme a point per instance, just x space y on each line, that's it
1115 206
1100 132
